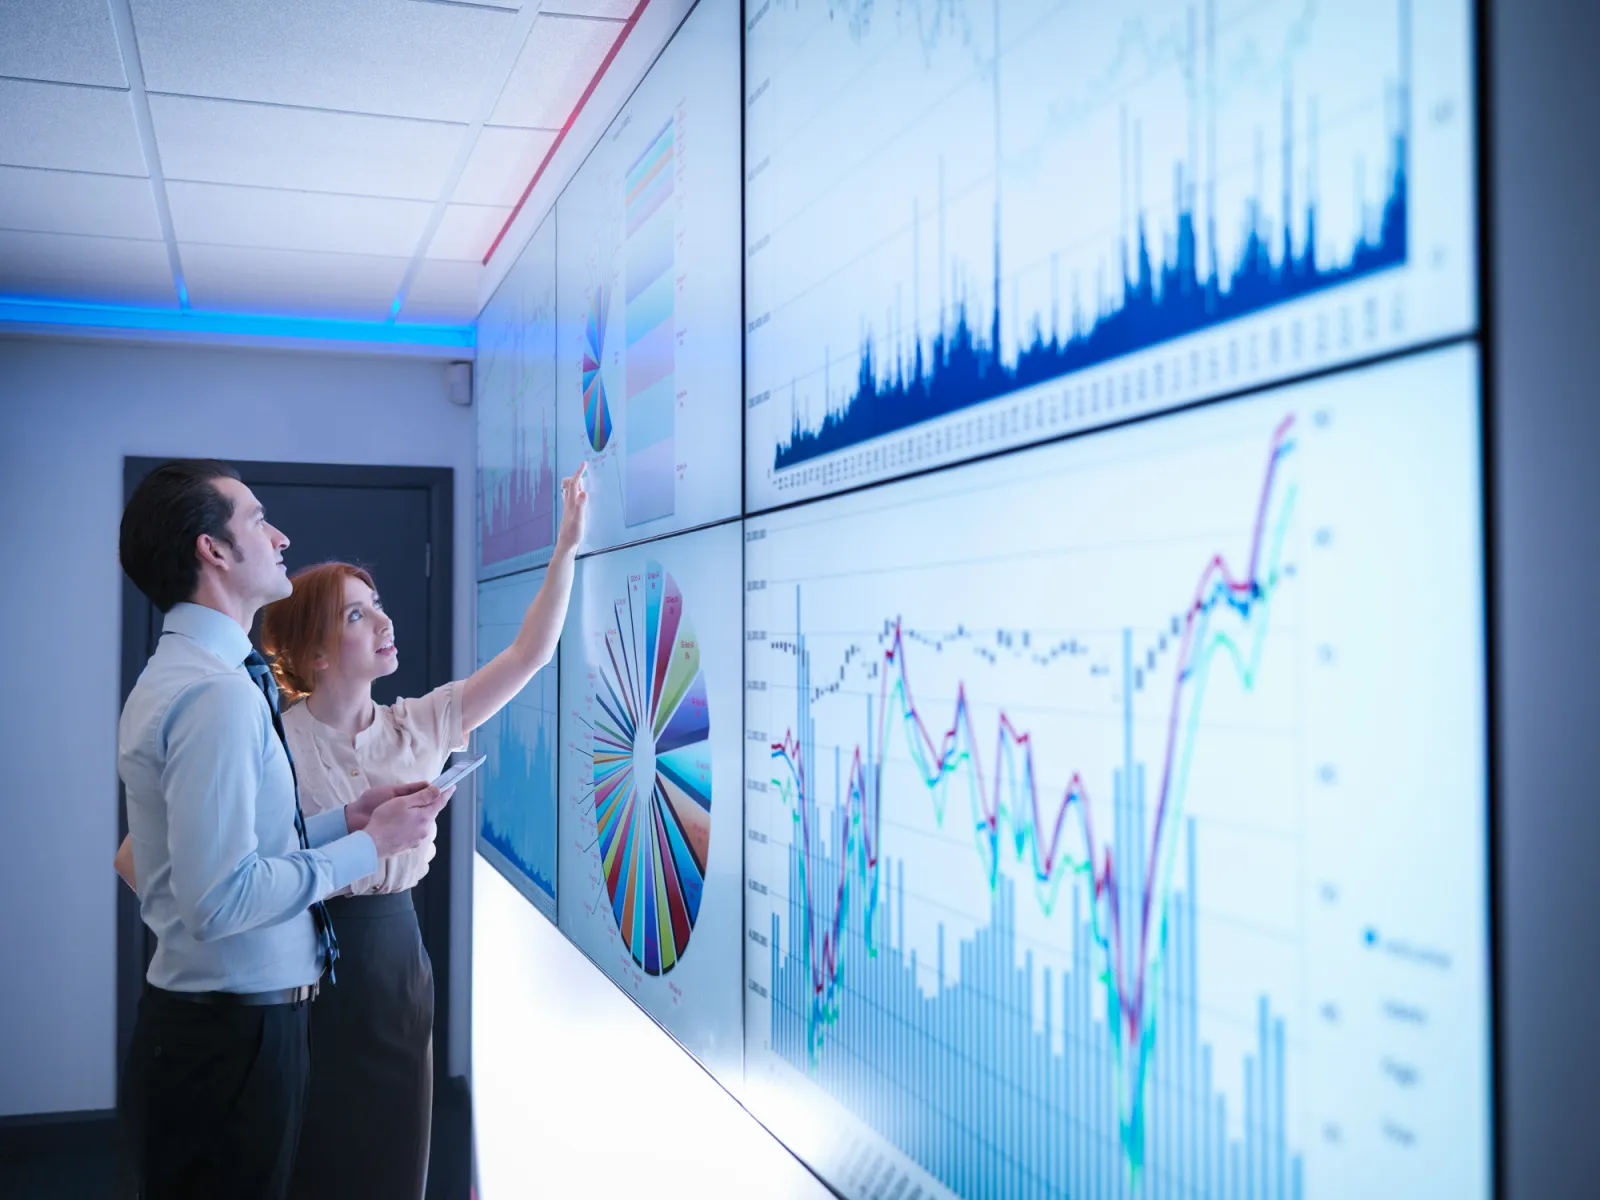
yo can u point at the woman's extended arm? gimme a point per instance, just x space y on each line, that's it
490 688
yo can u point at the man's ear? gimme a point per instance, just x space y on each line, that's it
210 550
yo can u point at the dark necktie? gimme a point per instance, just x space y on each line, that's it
262 675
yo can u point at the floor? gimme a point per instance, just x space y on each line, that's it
58 1161
76 1159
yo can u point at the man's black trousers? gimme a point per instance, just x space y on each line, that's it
212 1099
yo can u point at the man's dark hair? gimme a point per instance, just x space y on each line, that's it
171 507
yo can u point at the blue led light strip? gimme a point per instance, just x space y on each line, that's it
26 311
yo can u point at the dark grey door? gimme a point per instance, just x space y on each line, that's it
395 522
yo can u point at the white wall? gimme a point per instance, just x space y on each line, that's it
576 1092
69 412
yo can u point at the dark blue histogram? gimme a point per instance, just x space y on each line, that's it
1172 285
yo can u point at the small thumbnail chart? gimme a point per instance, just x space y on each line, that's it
651 747
515 380
1117 810
648 349
973 226
517 786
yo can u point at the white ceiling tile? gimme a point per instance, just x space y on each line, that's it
291 282
620 9
502 164
68 41
370 56
557 61
466 231
68 128
272 218
443 293
265 145
97 270
120 206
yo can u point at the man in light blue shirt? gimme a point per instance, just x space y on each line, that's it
230 879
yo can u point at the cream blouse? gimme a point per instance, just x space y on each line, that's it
408 740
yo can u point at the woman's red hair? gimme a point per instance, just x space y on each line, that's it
297 628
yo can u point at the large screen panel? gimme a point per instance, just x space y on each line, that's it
517 786
973 226
1118 820
515 381
648 358
651 788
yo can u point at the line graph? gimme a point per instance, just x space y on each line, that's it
1057 896
1269 167
1128 913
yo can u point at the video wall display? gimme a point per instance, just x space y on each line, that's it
647 253
1087 854
974 226
516 789
1064 771
651 790
515 385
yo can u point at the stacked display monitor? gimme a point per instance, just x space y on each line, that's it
1021 720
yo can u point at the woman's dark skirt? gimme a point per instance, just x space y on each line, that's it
370 1100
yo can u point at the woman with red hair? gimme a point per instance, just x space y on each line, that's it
367 1116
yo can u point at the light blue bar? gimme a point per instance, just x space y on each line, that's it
1043 1077
1263 1150
1026 1098
1281 1113
659 145
1216 1131
653 307
1252 1121
1103 1102
651 253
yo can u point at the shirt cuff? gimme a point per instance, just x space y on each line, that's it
326 826
351 857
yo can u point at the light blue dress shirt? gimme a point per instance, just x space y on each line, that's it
222 880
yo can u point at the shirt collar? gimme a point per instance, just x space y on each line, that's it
217 632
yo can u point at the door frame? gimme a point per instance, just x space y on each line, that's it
439 483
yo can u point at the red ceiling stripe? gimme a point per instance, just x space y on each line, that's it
605 63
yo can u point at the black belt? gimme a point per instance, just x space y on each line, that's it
294 995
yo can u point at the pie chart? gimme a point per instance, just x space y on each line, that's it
596 406
652 770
